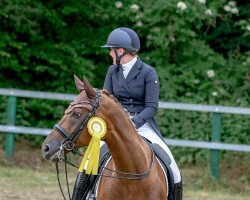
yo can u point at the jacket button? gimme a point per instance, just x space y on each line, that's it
130 100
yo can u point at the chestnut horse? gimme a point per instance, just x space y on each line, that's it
135 173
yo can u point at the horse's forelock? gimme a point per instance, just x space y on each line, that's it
80 98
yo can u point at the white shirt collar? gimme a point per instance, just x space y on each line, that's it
128 66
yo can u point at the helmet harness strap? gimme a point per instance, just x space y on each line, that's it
118 58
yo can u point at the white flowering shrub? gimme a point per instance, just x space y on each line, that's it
200 49
181 5
198 60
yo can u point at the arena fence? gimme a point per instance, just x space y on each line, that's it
215 144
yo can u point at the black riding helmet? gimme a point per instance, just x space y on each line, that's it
123 38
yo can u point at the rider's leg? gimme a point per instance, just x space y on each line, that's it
148 132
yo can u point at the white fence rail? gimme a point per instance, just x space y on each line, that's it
215 145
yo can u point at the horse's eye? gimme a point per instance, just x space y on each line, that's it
76 114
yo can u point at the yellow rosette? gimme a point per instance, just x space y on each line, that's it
97 128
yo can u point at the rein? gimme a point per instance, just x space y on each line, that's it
131 176
69 142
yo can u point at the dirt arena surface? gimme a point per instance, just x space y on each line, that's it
28 176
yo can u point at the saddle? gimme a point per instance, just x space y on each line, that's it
85 184
165 162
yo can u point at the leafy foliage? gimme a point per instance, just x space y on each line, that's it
199 48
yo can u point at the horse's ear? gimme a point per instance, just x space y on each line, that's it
90 92
79 84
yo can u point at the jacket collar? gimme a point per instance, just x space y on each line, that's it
135 70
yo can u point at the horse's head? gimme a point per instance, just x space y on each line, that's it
71 131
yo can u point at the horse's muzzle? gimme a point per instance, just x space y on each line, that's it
51 152
45 151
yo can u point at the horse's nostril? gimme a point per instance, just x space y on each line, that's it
46 148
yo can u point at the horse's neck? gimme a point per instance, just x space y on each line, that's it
129 151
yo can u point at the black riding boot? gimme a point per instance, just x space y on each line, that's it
177 191
84 182
81 186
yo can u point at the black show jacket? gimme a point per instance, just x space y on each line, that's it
139 92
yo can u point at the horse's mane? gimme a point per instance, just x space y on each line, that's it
116 101
106 93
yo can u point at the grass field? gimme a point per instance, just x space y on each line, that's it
28 176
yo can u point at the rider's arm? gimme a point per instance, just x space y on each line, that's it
151 99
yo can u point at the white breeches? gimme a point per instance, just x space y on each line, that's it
148 132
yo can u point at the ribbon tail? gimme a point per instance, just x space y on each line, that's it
94 156
89 166
96 148
86 156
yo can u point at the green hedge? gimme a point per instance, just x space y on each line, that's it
200 50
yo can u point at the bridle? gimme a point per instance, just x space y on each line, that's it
69 144
69 139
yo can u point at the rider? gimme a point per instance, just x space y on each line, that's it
136 86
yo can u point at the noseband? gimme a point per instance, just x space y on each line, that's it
69 141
